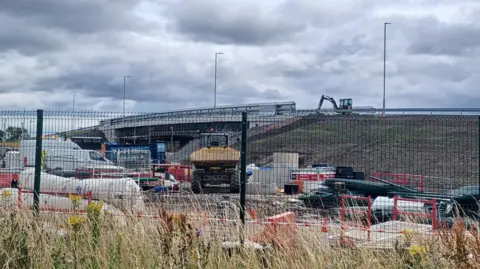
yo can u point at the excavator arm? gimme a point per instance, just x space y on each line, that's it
328 98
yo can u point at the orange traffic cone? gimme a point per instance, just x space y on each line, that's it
253 214
325 226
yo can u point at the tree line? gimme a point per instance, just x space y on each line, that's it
14 134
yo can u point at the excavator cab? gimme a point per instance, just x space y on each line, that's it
345 103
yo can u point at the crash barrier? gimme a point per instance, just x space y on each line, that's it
405 180
367 212
432 215
56 202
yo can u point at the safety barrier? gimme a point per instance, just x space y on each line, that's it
368 212
281 235
417 181
433 215
6 179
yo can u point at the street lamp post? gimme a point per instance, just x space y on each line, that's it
73 112
171 139
124 94
215 86
384 60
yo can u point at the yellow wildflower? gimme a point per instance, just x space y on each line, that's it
75 220
415 250
121 235
75 197
94 207
6 193
408 234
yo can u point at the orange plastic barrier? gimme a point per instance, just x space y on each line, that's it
277 232
300 185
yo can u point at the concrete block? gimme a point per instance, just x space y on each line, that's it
261 188
262 176
285 165
281 172
281 181
282 157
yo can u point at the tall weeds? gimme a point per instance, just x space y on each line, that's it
99 240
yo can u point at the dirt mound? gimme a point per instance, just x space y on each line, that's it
442 148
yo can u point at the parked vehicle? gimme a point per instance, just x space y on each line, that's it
28 147
70 161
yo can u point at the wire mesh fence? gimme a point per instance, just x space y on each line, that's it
344 175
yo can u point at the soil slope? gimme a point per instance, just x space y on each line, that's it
444 149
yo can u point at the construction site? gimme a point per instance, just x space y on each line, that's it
324 169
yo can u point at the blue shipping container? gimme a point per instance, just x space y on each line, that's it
157 150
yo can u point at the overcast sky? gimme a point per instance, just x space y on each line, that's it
294 50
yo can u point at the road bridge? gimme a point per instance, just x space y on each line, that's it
184 125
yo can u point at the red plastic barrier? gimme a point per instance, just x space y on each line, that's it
433 215
6 179
417 181
368 213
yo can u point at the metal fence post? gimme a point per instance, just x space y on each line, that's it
243 165
38 162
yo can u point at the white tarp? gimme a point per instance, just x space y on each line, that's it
123 193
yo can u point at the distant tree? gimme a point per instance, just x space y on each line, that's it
16 133
3 136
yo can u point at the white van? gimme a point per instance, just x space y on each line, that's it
28 148
65 156
77 159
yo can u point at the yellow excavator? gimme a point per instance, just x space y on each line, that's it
215 163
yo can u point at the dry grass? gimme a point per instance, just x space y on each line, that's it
99 240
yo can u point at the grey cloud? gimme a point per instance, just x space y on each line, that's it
78 16
223 23
164 84
433 37
296 50
17 36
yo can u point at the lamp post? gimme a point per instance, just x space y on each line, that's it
384 60
215 86
171 139
124 94
73 111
